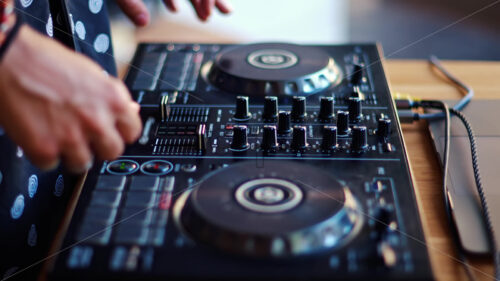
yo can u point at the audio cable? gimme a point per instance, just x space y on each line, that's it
406 114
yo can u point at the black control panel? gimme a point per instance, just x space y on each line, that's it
263 161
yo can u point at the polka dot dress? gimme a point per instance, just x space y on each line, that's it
33 202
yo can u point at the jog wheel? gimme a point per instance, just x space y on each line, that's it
279 210
273 69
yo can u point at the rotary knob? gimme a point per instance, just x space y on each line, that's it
355 111
298 108
359 138
242 112
270 108
240 141
326 109
383 129
269 138
356 76
343 123
299 138
284 123
329 141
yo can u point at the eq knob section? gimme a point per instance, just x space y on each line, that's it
242 113
299 138
284 120
329 141
269 138
270 112
355 109
343 123
326 109
359 138
240 138
298 108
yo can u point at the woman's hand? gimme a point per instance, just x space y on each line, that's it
136 9
59 105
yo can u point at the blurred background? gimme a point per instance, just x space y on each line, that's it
413 29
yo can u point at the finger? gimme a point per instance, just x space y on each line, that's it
223 6
136 10
107 143
207 6
198 9
129 125
76 153
45 156
171 6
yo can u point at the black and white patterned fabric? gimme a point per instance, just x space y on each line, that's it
33 202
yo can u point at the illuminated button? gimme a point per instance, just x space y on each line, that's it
123 167
156 167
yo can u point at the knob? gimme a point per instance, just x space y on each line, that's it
359 138
356 74
326 108
299 138
284 122
329 141
242 113
239 142
270 108
298 108
269 138
343 123
383 129
356 93
355 111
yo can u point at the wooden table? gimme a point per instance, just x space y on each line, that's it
417 78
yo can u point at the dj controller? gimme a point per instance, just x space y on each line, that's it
263 161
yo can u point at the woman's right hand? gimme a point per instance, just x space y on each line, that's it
59 105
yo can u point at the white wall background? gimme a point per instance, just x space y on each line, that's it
299 21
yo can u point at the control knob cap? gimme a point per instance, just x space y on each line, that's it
383 129
357 74
326 108
299 138
329 141
242 112
240 141
359 138
355 109
269 138
343 122
270 108
284 122
298 108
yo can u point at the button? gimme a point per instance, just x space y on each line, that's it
144 183
140 199
168 184
140 216
188 168
94 233
122 167
105 198
108 182
157 167
100 214
131 233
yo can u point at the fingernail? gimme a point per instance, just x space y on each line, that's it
142 19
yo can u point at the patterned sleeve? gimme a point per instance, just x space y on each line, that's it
7 18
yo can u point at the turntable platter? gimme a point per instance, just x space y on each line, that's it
274 69
265 211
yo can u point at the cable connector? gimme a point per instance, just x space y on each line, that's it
405 101
408 116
